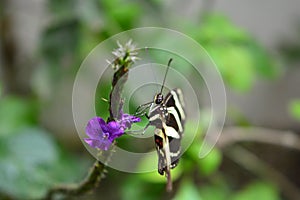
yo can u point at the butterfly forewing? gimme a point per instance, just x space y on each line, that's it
168 118
175 120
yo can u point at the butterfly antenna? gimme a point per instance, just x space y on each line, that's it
169 63
151 66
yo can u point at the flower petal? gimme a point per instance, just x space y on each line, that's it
127 120
113 126
115 130
94 128
103 144
134 119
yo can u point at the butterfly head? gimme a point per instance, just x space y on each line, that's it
158 99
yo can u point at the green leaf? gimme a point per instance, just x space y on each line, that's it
154 177
32 147
235 64
210 30
102 106
238 56
258 190
294 109
121 12
206 165
15 113
135 188
31 162
264 64
23 171
215 192
211 162
187 191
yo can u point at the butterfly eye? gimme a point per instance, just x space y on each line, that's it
159 98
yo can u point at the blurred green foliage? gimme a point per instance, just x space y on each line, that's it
75 28
31 161
188 191
238 56
294 109
258 190
15 114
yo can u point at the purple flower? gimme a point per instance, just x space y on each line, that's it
126 120
102 134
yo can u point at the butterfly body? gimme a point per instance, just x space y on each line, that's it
168 116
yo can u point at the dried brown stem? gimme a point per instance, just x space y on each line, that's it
233 135
257 166
90 182
251 162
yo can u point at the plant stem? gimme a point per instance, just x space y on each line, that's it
98 169
257 166
231 135
90 182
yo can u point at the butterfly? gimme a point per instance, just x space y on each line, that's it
167 115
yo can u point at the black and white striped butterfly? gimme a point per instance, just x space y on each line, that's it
167 115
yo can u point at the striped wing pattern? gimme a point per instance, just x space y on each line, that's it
168 118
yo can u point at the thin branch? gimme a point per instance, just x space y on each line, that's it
249 161
257 166
8 49
90 182
233 135
10 65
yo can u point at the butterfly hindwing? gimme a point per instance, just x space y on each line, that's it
175 122
162 150
169 120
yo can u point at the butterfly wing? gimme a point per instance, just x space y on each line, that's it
175 124
168 118
164 156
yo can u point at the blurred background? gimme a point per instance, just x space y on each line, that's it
256 46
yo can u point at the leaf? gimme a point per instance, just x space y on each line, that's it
22 171
101 105
258 190
264 64
187 191
134 188
215 192
235 64
294 109
150 162
237 55
31 162
211 162
206 165
210 30
15 114
122 12
32 147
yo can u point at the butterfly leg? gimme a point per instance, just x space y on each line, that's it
142 131
141 110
